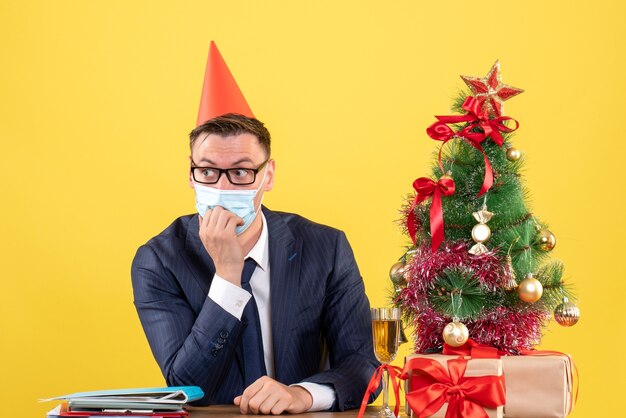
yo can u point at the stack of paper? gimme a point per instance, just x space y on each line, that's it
142 402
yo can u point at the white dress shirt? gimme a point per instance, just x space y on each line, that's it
233 299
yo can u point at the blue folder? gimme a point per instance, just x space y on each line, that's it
163 398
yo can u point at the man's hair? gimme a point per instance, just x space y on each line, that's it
233 124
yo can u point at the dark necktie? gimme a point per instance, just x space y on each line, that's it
252 341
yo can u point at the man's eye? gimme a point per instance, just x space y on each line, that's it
209 172
241 173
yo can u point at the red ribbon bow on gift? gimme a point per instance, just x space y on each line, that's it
394 374
426 188
492 128
473 349
433 386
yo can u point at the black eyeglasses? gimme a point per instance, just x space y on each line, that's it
237 176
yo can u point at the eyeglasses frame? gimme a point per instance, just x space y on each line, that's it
225 171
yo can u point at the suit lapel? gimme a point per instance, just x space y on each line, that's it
285 255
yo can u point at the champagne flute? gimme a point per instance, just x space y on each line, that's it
386 333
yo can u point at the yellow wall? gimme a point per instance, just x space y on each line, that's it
96 99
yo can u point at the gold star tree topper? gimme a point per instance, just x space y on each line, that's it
490 91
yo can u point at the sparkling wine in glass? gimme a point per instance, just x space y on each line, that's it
386 334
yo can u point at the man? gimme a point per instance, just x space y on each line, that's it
292 337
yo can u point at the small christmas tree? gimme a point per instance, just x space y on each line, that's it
479 263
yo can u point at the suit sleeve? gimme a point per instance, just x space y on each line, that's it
191 348
348 331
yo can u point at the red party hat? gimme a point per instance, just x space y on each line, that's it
220 93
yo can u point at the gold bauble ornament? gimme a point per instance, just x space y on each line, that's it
566 314
455 334
545 240
513 154
530 289
397 272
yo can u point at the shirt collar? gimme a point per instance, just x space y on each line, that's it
259 252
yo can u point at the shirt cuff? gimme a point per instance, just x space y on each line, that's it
323 395
231 298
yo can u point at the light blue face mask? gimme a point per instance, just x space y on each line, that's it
239 202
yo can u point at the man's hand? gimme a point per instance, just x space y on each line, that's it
217 233
267 396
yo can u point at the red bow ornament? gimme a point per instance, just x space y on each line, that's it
432 386
474 118
426 188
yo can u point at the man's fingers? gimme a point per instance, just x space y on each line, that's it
280 406
233 222
204 220
256 402
267 396
217 220
268 404
223 219
227 222
248 394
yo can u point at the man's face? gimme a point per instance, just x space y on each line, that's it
236 151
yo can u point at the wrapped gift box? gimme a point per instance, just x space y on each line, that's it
538 386
475 368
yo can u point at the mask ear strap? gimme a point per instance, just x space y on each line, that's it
256 212
263 180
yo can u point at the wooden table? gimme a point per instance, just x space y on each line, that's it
231 411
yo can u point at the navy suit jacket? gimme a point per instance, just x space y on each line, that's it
319 310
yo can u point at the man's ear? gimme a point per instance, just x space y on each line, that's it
190 175
269 177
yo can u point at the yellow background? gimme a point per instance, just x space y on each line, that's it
96 100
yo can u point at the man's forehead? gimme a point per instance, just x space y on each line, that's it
243 139
230 149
